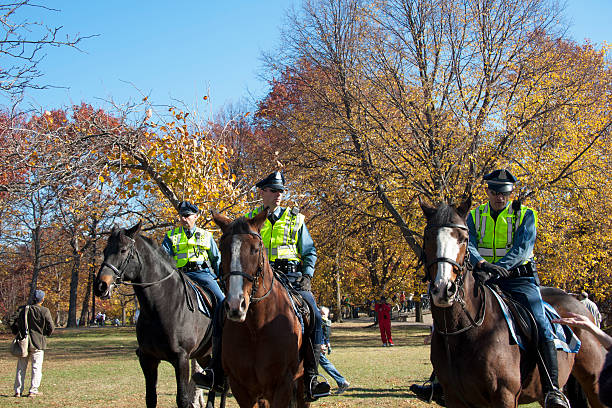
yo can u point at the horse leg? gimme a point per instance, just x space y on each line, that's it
587 364
242 396
298 386
181 371
149 369
283 392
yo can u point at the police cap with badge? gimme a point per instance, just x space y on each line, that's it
501 181
185 208
275 180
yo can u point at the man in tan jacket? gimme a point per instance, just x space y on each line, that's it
40 325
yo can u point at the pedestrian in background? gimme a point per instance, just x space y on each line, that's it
591 306
40 325
327 365
383 311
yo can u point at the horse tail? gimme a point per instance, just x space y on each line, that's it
575 393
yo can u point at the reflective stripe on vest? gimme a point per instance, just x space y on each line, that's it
495 238
194 249
281 238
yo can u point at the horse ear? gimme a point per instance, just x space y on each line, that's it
258 221
134 230
464 207
221 220
428 210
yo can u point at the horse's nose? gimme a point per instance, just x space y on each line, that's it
235 307
101 288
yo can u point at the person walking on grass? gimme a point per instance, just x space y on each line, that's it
383 311
324 362
40 325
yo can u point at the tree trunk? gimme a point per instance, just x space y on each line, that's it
92 274
74 280
418 311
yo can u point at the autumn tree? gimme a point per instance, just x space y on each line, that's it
398 99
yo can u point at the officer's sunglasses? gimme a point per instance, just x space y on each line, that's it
499 193
275 190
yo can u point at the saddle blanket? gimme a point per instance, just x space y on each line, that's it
201 303
564 337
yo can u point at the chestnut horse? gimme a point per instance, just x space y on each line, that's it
472 352
167 329
262 336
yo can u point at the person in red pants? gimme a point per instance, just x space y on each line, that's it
383 311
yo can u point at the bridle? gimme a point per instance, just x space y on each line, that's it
254 279
119 271
459 282
460 267
458 297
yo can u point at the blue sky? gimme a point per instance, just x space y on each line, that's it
184 50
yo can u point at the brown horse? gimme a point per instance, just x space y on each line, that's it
471 350
262 336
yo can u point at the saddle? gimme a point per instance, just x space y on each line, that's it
302 309
522 317
205 299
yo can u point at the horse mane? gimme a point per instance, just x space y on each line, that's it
156 249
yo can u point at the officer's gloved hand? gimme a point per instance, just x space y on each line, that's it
305 282
486 270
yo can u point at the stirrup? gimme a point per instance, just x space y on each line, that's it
555 393
219 388
313 382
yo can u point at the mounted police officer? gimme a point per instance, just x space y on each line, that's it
502 237
291 252
194 250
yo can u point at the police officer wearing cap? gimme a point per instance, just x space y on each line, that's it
194 250
291 252
502 237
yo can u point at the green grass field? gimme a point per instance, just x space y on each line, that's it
97 367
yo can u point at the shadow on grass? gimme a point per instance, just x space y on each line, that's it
366 393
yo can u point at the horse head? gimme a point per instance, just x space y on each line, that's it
445 250
120 260
243 257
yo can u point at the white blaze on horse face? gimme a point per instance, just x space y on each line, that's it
236 281
448 247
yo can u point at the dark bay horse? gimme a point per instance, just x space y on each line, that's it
262 336
472 352
166 329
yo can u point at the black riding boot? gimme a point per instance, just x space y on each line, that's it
553 397
314 388
429 391
212 377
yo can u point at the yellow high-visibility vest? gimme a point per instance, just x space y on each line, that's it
192 249
495 238
281 238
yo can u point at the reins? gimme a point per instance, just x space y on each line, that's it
458 297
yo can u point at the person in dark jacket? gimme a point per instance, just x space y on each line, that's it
40 325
